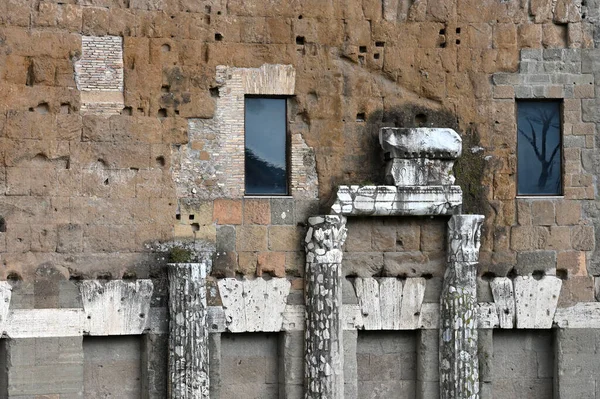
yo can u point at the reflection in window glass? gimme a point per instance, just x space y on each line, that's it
539 167
266 169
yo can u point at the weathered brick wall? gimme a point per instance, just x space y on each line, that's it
100 67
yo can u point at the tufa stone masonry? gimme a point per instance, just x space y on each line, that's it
402 259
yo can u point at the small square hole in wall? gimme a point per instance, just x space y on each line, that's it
360 117
376 56
379 44
218 37
362 49
458 31
300 40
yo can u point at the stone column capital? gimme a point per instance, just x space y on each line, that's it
324 239
464 238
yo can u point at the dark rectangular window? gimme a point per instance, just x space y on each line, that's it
539 148
266 146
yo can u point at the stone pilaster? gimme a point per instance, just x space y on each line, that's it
188 327
324 367
459 370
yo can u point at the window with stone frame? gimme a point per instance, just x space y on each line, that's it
539 148
266 146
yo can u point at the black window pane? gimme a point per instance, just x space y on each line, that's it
266 169
539 166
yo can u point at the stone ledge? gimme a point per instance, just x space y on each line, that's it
397 201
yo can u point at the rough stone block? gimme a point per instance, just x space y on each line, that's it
383 238
573 262
413 264
559 238
285 238
225 238
70 238
282 211
576 289
408 237
582 238
227 211
251 238
359 235
225 264
362 264
433 236
247 262
529 262
257 211
271 262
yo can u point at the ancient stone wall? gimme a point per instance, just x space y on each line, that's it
121 136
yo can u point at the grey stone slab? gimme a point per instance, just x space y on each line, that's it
427 356
590 110
531 54
225 238
282 211
590 60
529 262
553 54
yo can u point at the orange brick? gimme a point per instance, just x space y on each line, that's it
227 211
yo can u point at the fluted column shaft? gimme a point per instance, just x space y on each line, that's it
459 369
188 332
324 365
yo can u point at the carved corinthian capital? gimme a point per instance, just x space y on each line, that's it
324 239
464 238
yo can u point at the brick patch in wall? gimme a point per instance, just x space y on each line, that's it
212 164
99 75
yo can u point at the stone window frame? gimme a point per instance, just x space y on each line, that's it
552 74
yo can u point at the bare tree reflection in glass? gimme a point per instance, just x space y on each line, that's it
539 148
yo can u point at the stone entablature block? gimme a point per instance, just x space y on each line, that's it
397 201
254 305
419 156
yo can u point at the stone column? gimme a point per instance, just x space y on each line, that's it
459 366
324 366
188 328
